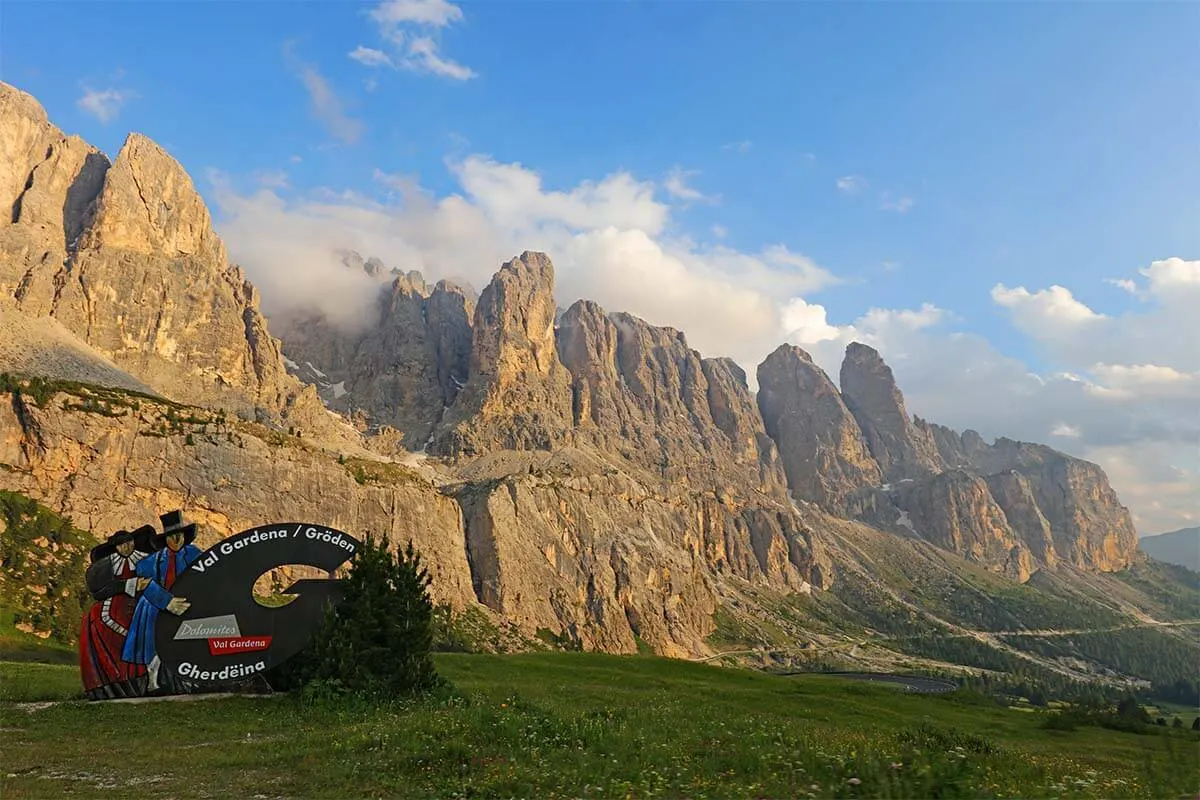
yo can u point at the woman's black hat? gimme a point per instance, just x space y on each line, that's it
142 538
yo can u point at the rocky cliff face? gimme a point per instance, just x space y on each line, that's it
641 392
820 443
1089 526
124 256
563 541
956 511
403 369
902 449
1014 494
517 394
1012 506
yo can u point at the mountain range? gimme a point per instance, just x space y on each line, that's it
1180 547
573 475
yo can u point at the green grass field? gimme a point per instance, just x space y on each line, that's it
579 725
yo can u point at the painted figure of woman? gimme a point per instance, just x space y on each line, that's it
112 581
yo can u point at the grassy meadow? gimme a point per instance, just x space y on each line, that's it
575 725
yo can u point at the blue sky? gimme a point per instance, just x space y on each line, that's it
1022 144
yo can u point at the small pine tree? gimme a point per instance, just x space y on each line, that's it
376 640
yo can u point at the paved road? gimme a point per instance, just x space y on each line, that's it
910 682
1051 632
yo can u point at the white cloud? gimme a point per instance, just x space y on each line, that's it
1044 309
609 240
104 104
1124 284
899 205
851 184
1172 273
407 28
720 231
370 57
434 13
807 324
742 146
423 56
324 102
272 179
1065 430
676 185
1161 330
1141 375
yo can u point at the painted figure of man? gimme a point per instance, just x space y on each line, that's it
112 582
158 573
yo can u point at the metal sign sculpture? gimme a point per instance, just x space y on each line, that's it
170 619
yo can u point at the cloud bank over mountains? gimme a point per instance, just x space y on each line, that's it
1124 389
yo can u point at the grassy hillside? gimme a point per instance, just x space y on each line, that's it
585 725
901 604
42 592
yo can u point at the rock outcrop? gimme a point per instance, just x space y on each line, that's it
518 394
403 369
902 449
956 511
641 392
124 256
1089 526
124 460
1013 493
820 443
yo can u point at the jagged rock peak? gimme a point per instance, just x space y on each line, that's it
869 390
17 103
150 206
820 443
123 255
515 315
518 395
638 390
48 181
373 267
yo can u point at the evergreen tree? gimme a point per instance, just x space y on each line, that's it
1129 708
376 640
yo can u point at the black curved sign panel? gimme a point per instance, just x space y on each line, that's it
224 634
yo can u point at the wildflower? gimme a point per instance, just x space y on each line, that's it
895 765
854 781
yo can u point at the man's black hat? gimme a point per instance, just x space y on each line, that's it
172 522
142 538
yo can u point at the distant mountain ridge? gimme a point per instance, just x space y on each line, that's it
1180 547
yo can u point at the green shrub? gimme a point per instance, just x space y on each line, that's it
376 641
